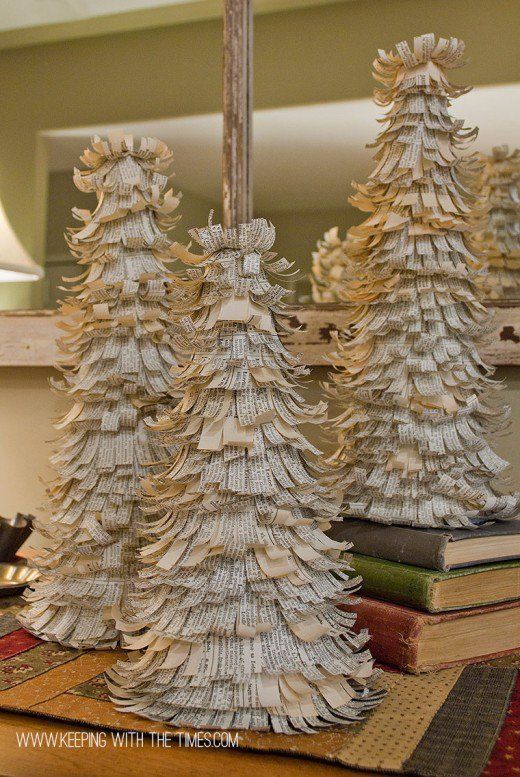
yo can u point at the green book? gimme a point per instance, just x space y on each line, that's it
434 591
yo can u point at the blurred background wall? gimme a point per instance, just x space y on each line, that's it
134 67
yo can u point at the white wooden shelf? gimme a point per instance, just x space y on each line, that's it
27 337
317 321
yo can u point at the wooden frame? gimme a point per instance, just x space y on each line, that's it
27 337
237 94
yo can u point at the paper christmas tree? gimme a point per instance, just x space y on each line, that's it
329 266
239 582
416 397
501 238
115 361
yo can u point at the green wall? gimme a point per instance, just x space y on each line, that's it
308 55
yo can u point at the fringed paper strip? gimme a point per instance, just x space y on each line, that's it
417 398
116 356
239 582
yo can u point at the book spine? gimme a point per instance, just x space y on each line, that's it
394 634
395 583
439 554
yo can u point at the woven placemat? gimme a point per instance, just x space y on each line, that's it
442 724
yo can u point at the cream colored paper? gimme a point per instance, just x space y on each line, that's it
329 267
239 582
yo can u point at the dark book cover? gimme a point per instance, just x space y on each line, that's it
418 547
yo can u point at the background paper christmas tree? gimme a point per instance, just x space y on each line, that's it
501 237
329 264
239 582
417 398
115 361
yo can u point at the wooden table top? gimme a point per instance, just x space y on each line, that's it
146 761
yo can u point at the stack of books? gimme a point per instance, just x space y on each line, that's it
433 598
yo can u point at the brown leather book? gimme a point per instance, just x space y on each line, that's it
420 642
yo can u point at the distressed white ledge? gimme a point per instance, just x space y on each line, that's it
28 337
317 322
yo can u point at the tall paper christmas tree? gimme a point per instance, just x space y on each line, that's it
501 237
416 395
239 583
329 267
115 362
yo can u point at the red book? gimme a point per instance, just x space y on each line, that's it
420 641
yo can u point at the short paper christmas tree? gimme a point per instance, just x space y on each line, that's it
115 359
501 237
239 582
417 398
329 267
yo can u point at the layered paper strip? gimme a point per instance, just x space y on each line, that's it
500 183
418 404
239 581
329 267
115 358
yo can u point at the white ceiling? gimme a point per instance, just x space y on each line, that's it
305 156
16 14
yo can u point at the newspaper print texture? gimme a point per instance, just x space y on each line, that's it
115 360
235 612
417 402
